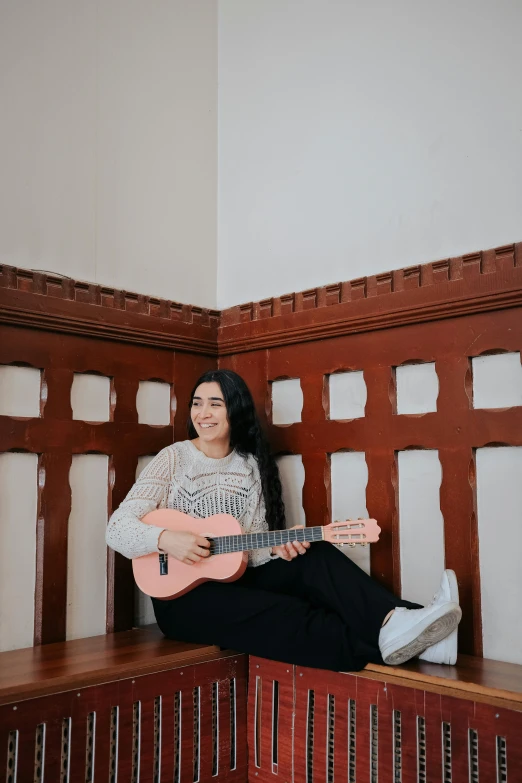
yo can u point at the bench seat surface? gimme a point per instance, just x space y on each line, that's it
470 678
53 668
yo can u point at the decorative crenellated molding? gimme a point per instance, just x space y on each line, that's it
476 282
473 283
48 301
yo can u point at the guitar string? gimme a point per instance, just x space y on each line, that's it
238 545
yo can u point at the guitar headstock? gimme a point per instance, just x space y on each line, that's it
352 532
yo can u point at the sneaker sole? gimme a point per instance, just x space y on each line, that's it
433 633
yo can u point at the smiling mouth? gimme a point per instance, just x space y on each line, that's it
207 426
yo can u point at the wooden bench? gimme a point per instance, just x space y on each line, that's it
417 722
122 707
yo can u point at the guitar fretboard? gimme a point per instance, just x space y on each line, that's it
244 542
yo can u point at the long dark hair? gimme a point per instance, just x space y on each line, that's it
247 437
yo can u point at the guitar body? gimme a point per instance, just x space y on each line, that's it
182 577
162 577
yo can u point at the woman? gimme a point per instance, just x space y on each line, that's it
304 605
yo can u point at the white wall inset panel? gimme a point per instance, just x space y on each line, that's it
142 463
348 395
349 477
421 524
287 401
153 403
143 611
497 380
87 552
19 391
90 397
18 507
499 505
417 388
291 470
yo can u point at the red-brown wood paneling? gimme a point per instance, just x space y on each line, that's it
349 728
455 430
122 747
73 328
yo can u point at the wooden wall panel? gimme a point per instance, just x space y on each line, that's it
348 728
444 312
55 436
122 747
456 429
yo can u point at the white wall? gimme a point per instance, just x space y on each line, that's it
359 137
108 142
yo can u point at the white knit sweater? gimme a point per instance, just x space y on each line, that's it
183 478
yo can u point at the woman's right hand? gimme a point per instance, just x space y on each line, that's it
186 547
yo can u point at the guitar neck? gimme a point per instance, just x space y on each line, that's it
220 545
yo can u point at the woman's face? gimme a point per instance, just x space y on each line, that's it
209 414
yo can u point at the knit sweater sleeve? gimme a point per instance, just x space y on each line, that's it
253 519
126 533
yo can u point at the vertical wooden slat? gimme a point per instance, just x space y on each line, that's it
125 388
458 714
367 695
457 491
167 736
187 732
120 582
316 495
381 502
386 702
103 736
51 549
461 541
433 717
125 718
404 703
53 749
320 734
78 739
205 732
57 382
341 737
26 753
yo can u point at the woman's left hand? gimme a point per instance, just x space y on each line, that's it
292 548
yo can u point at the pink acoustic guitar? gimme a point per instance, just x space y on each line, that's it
228 547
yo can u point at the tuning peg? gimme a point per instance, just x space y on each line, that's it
352 545
364 543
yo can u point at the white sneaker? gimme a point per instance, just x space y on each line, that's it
409 632
444 651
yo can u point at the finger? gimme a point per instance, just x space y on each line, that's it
193 557
202 552
299 547
290 549
201 541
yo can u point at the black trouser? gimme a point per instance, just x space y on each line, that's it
318 610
